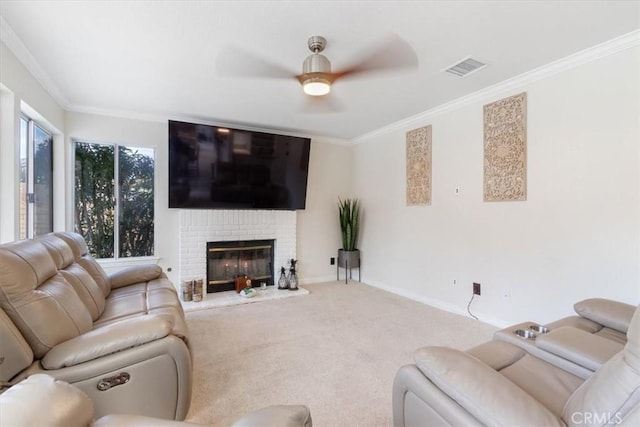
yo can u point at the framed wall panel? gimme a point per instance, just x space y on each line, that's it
419 166
505 149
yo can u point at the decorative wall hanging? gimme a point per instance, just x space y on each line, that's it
419 166
505 149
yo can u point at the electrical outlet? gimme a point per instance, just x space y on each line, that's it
332 261
476 288
506 296
455 282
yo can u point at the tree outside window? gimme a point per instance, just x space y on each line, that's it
114 182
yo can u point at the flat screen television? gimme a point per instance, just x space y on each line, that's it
215 167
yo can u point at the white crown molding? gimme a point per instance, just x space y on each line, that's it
13 42
163 118
120 114
585 56
15 45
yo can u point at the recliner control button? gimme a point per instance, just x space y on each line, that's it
109 382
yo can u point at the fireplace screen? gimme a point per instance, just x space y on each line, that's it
228 260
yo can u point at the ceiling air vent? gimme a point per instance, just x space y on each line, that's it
465 67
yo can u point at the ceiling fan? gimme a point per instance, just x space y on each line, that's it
391 54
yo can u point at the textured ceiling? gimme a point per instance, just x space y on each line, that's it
162 60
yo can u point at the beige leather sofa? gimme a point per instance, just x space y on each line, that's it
121 338
502 384
41 400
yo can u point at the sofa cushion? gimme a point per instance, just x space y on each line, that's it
41 400
36 297
58 249
100 342
85 286
156 296
466 380
15 353
549 385
497 354
82 257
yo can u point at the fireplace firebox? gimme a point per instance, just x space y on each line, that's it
230 259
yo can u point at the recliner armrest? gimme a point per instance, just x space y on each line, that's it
467 380
135 274
41 400
588 350
108 339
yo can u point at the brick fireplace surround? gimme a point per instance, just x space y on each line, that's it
197 227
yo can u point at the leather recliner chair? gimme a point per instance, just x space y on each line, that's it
40 400
500 384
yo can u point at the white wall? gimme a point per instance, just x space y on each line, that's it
577 235
19 90
330 177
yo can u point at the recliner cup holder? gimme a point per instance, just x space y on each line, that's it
525 334
539 329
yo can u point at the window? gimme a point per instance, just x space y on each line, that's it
36 180
114 199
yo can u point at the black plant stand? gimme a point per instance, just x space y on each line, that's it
348 260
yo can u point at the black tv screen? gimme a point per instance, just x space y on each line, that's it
214 167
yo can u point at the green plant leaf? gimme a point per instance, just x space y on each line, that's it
349 215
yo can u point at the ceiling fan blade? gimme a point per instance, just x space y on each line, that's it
389 55
237 62
326 104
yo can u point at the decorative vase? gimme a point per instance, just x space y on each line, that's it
348 260
293 277
282 281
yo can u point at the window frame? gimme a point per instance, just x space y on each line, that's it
116 260
30 181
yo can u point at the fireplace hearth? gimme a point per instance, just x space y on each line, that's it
227 260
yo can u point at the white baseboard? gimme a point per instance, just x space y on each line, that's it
415 297
317 279
437 304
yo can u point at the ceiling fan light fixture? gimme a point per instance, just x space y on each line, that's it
316 86
316 69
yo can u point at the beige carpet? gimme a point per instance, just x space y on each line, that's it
335 350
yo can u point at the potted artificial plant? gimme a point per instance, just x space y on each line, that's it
349 255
